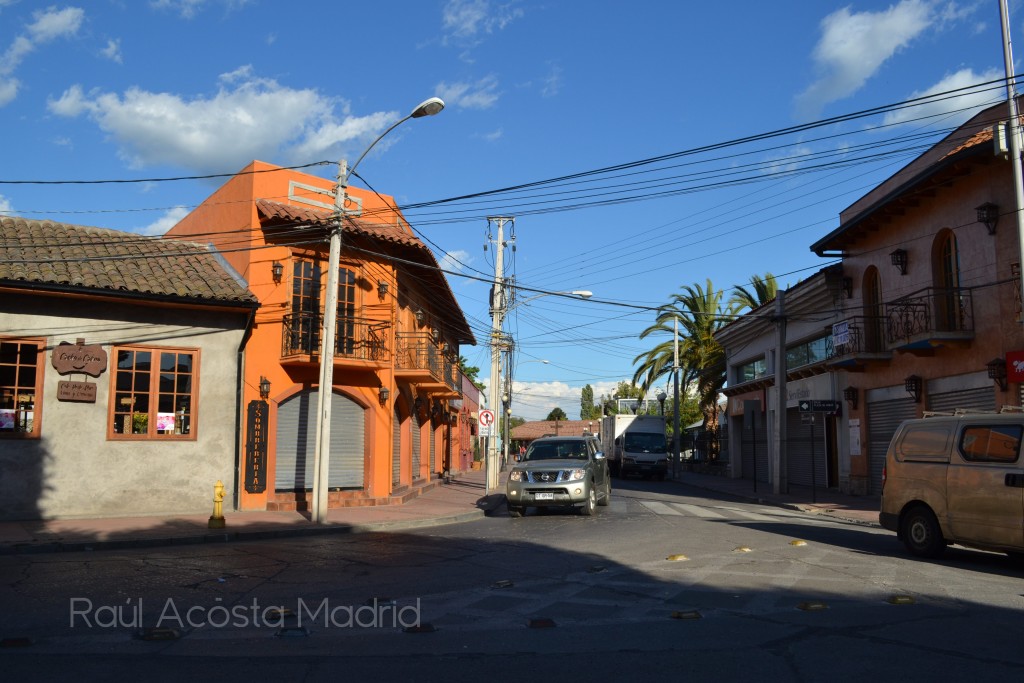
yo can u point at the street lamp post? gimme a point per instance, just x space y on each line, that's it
322 453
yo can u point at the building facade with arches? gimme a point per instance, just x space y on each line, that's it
396 390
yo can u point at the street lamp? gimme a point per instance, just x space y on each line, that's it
322 454
497 321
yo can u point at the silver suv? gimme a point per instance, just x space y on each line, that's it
560 471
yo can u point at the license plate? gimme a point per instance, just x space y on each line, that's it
544 496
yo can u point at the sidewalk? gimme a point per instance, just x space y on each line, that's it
860 509
461 500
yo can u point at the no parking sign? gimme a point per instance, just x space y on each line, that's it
486 418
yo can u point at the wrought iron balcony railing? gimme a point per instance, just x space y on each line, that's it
356 338
417 351
864 334
928 312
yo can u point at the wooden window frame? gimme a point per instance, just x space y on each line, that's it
153 394
37 408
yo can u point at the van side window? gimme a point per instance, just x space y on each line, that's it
982 443
928 442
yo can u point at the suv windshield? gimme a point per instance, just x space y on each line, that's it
553 450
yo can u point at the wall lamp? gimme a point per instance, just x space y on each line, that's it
913 386
420 315
277 270
988 215
851 396
382 395
997 371
899 259
382 288
265 387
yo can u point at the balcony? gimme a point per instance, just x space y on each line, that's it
932 317
359 340
865 343
418 359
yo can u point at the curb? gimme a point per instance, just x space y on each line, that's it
236 536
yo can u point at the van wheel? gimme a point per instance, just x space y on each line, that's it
921 533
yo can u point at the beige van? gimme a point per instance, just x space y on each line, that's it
956 478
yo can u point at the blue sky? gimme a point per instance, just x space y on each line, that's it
535 90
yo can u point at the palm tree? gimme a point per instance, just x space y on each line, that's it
699 314
765 289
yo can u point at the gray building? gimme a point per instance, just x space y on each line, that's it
119 367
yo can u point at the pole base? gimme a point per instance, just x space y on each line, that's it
216 523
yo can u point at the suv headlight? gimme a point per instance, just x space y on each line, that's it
577 475
516 475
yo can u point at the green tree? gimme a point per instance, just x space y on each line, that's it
557 414
471 373
588 411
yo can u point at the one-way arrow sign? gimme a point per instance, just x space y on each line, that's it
819 406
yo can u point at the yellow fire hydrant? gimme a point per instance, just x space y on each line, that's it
217 518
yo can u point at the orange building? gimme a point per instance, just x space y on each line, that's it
397 384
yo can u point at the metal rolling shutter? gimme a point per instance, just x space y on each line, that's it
754 443
296 443
396 449
976 399
884 417
433 448
416 445
799 449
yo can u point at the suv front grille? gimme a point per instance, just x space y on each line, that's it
546 476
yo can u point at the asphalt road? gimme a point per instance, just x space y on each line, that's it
663 583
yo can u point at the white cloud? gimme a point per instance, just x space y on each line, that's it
494 135
48 25
112 51
552 83
5 205
165 222
480 95
960 108
186 8
247 118
854 45
456 261
463 21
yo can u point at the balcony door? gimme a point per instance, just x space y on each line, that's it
307 284
874 311
949 311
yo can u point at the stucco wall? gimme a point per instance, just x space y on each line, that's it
74 469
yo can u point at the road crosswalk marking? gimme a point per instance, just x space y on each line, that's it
660 508
699 511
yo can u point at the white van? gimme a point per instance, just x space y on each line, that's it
956 478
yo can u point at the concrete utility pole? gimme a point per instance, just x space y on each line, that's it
1014 127
676 464
498 308
779 459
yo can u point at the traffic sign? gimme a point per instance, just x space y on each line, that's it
486 418
819 406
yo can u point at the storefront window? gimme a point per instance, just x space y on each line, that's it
154 393
21 375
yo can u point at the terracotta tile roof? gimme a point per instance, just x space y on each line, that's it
388 232
278 213
42 252
981 137
528 431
